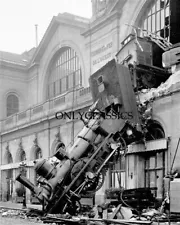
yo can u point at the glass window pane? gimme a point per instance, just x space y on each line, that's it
63 84
152 179
162 4
160 159
153 23
145 25
149 23
76 78
57 87
158 22
167 11
162 19
70 81
153 9
158 5
60 88
51 91
147 179
152 161
123 179
159 183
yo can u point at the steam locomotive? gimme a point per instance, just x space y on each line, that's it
81 169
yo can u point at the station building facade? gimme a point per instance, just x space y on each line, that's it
53 78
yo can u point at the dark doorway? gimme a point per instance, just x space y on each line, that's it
9 180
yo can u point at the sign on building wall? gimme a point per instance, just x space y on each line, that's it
101 54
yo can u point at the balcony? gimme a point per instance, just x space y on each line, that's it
70 101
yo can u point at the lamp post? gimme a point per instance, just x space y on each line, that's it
23 170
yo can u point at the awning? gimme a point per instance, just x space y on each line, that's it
154 145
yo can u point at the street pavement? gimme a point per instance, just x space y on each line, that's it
17 220
12 205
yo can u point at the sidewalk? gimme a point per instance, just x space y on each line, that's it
12 205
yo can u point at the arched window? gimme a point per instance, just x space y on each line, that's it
9 158
155 131
38 153
64 72
12 104
157 20
22 156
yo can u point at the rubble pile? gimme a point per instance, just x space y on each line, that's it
171 85
12 213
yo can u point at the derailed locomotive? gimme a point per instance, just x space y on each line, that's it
81 169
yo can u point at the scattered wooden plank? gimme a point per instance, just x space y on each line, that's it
115 212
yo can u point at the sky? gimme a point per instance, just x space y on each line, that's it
19 17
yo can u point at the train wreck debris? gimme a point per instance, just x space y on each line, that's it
81 169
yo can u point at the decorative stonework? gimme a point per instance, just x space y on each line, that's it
57 136
7 147
35 141
20 144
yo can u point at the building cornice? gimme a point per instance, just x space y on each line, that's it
11 65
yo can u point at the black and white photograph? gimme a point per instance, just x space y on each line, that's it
90 112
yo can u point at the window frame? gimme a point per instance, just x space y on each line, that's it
63 73
118 170
158 15
12 107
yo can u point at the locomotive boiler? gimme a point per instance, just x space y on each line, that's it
112 125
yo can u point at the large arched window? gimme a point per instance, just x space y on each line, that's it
163 19
157 20
12 104
64 72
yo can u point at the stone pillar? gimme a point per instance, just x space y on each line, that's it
4 185
28 192
32 179
14 194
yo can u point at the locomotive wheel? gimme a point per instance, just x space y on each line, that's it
94 183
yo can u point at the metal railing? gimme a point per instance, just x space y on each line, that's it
46 109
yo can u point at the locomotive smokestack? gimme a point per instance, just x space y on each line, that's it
23 180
